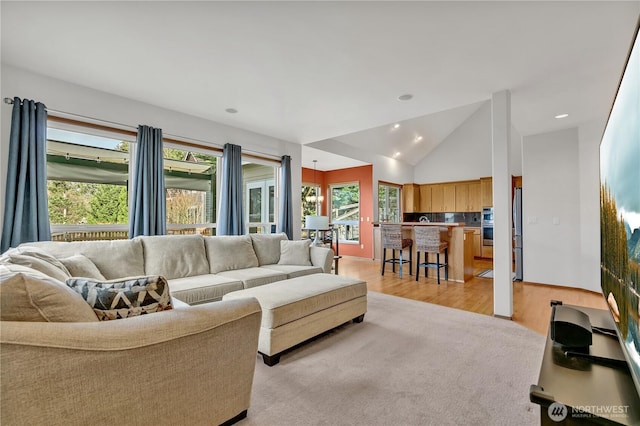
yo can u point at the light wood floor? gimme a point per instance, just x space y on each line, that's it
530 301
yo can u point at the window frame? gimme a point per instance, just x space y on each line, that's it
399 208
339 223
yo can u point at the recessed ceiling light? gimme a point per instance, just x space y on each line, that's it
397 154
231 110
405 97
396 126
562 115
418 139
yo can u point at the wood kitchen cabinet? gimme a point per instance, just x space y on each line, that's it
477 242
468 197
437 198
486 190
411 198
462 197
449 197
475 197
425 198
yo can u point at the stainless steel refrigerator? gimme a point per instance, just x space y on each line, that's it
517 232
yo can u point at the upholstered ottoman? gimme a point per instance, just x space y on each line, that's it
297 309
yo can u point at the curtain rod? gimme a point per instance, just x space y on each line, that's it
57 116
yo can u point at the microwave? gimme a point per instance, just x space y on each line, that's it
487 215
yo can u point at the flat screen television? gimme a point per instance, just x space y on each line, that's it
620 210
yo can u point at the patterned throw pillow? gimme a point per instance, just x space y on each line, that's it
124 297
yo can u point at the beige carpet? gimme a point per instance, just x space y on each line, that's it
408 363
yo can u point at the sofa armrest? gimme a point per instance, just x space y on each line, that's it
323 257
188 365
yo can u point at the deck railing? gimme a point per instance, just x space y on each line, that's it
121 232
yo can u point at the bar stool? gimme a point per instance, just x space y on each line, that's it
428 241
392 239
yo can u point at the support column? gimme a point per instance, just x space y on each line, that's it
502 245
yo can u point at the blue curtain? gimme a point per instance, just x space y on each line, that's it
148 212
285 217
26 214
231 214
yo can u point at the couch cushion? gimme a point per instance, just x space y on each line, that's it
289 300
38 259
267 247
80 265
114 259
175 256
28 295
227 253
124 297
252 277
295 253
294 271
203 288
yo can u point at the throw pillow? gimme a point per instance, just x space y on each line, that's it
124 297
80 265
28 295
295 253
267 247
37 259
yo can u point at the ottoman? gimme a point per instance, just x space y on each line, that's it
298 309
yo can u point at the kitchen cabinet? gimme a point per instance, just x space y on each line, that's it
425 198
486 190
475 197
437 198
462 197
477 243
411 198
517 181
449 197
487 252
468 197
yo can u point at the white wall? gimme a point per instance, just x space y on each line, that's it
551 208
464 154
589 155
62 96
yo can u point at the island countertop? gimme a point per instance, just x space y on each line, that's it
460 241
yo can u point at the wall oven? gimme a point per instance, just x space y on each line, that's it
487 226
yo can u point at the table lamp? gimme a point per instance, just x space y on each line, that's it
317 223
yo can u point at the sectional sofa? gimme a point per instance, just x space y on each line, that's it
188 364
199 269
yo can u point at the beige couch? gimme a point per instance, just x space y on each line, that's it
199 269
61 366
188 365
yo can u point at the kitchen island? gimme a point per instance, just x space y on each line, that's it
460 248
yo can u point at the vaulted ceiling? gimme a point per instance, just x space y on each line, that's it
310 71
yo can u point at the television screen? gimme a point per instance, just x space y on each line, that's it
620 210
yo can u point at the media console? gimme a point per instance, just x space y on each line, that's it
576 390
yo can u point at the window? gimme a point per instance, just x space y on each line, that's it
259 197
311 205
87 178
190 184
389 202
345 211
88 187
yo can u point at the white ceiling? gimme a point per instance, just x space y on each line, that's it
309 71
